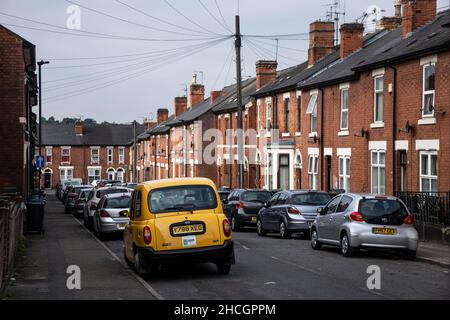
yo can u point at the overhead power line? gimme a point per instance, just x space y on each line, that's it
213 16
221 15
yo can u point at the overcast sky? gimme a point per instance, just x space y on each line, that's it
138 80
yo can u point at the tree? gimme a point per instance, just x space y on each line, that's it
68 121
89 121
51 119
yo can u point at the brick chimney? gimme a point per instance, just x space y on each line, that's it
180 106
197 92
79 128
321 40
389 23
416 13
398 8
149 124
266 71
214 95
351 38
162 115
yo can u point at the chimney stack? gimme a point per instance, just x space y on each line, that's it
163 115
416 13
197 92
79 128
149 124
398 8
351 38
321 40
180 106
214 95
389 23
266 71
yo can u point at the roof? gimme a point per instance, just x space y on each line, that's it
430 38
161 128
61 134
229 102
289 78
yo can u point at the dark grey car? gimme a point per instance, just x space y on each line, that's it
290 212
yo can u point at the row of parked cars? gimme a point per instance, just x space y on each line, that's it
347 220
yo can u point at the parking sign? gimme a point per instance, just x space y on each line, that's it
39 162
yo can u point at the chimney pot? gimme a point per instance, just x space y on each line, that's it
163 115
79 128
351 38
389 23
180 106
266 71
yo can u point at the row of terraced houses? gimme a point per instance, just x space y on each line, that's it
369 115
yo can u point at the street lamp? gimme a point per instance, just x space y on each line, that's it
40 64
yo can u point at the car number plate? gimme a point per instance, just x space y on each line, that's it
388 231
188 229
121 225
253 219
189 241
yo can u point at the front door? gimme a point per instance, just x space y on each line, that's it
47 180
283 172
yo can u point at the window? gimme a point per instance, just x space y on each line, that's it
286 114
428 171
48 155
299 114
344 173
65 155
121 174
378 98
312 110
313 172
167 146
268 114
121 155
344 204
65 173
94 174
258 115
137 201
428 90
378 172
344 109
110 155
111 173
95 155
332 206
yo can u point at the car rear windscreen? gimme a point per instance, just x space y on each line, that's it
182 198
256 196
310 199
383 211
102 193
118 203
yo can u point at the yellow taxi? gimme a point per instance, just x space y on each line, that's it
177 221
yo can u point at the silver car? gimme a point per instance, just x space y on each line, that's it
111 214
354 221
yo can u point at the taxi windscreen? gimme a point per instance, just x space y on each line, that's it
182 198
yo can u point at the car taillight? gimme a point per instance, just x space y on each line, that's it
104 214
293 210
147 235
409 219
226 228
356 216
240 205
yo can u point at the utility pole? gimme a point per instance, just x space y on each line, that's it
40 64
240 142
135 175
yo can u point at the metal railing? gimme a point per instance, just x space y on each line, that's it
428 207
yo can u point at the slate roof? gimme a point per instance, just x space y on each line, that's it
59 134
227 103
161 128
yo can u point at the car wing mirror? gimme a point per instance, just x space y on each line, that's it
320 211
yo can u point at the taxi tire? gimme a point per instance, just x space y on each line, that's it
127 261
223 268
140 270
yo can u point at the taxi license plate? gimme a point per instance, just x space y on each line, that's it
121 226
388 231
188 229
253 219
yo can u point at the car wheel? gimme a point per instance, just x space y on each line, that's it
411 255
128 262
223 268
234 224
284 233
315 244
346 249
260 229
138 267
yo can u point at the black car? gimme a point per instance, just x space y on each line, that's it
223 194
242 207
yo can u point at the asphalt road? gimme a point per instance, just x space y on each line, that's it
273 268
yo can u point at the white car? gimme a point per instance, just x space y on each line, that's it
94 197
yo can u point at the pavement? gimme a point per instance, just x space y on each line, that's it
43 271
266 268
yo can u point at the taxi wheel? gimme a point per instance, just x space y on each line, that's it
138 265
128 262
223 268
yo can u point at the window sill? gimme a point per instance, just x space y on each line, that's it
285 135
343 133
312 134
426 121
267 135
298 134
377 125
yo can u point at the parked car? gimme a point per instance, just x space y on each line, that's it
94 197
353 221
223 194
110 183
129 185
111 214
80 201
242 207
177 221
290 212
66 183
71 196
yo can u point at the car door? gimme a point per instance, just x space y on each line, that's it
279 210
227 208
339 217
131 230
265 215
325 220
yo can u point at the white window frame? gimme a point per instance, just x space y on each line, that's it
428 92
344 109
258 115
66 175
62 154
379 166
428 174
312 110
110 153
376 92
344 172
121 155
313 172
92 158
49 153
269 114
94 169
287 110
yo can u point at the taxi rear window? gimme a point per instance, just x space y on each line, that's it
182 198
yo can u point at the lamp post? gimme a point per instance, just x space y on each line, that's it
40 64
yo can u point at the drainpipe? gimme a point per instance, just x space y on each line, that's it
394 128
154 154
168 155
321 148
